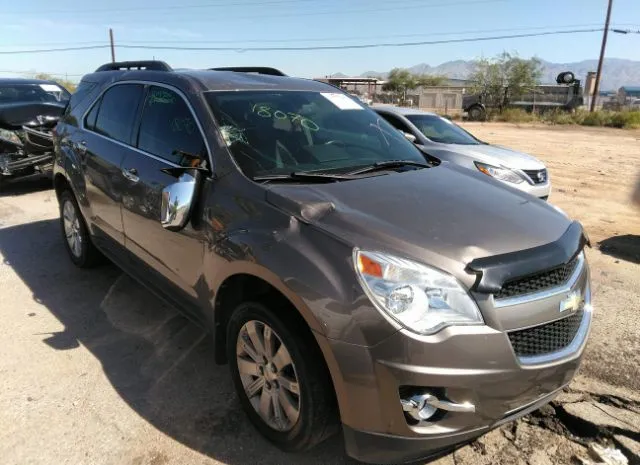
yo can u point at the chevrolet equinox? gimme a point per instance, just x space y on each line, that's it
348 278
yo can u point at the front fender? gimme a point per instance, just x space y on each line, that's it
312 269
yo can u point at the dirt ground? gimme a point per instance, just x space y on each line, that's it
96 371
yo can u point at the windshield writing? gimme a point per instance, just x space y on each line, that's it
282 132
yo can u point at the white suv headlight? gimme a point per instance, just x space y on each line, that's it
420 298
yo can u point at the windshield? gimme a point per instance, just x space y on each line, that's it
45 93
292 131
442 130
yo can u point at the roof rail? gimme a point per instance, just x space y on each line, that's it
252 69
149 65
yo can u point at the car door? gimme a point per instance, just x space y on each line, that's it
167 130
103 145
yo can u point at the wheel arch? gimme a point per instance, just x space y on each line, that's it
258 284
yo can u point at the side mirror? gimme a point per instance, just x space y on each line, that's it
178 200
410 137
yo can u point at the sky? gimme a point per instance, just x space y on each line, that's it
243 24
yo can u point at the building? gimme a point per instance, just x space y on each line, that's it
446 99
627 94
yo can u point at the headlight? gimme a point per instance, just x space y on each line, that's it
503 174
420 298
10 136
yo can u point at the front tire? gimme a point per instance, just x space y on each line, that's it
283 387
75 233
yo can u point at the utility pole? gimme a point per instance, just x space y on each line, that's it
596 87
113 49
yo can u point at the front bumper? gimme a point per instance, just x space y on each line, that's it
542 191
464 365
384 448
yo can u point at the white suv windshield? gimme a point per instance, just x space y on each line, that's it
442 130
280 132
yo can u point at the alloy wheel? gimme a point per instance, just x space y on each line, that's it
72 231
268 375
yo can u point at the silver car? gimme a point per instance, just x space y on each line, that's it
445 140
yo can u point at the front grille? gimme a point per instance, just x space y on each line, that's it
537 176
538 282
547 338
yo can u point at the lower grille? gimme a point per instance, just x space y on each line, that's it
537 176
547 338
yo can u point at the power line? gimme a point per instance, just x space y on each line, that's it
313 47
50 50
415 5
359 46
335 39
315 39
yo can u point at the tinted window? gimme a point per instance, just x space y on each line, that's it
395 122
90 121
442 130
168 127
279 132
118 111
44 93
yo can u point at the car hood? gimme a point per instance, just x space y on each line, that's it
491 154
444 216
16 114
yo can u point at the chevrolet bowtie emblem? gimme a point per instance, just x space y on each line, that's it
572 302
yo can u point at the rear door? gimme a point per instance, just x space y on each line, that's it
167 130
103 145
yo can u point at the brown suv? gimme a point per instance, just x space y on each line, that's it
347 277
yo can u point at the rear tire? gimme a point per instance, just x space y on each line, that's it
287 363
477 113
76 234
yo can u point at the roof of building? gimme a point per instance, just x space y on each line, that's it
630 88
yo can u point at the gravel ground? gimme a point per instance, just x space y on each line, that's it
96 371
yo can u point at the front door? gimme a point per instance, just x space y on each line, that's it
102 147
167 131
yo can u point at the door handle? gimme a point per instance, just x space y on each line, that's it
131 174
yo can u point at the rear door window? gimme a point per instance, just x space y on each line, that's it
168 129
118 111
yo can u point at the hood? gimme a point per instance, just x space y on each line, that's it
445 216
16 114
491 154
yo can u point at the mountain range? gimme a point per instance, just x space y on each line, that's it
617 72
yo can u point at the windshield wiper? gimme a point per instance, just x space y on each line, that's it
385 165
301 176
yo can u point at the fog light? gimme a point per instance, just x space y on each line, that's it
417 407
422 407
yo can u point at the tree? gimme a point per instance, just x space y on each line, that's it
400 81
69 85
504 78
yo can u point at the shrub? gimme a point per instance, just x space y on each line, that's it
625 119
597 118
516 115
559 117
